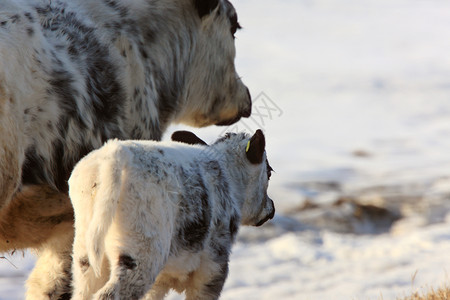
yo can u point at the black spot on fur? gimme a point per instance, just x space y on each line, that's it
62 167
195 230
123 12
84 264
143 52
29 17
30 31
234 226
15 18
65 296
195 213
61 83
168 100
32 170
150 35
127 262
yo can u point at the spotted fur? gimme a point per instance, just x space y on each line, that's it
75 73
154 216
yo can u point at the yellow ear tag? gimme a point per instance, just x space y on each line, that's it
248 146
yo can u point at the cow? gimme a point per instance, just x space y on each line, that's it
76 73
153 216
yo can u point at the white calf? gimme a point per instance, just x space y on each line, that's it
151 216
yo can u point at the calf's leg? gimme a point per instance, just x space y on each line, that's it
207 285
134 268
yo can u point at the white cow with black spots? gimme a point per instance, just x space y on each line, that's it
151 216
76 73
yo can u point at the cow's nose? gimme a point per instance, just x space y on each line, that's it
248 110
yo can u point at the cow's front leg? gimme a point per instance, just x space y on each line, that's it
51 277
35 215
40 217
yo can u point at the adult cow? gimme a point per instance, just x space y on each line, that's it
75 73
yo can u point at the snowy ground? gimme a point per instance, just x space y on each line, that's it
356 111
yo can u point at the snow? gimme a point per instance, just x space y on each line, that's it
354 99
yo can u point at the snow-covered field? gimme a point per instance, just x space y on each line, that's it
354 98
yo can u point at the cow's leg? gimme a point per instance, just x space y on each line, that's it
41 218
51 277
34 217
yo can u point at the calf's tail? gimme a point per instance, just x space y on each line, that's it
105 204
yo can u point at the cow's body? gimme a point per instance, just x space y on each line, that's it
163 215
75 73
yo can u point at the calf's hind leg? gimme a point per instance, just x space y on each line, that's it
133 273
85 283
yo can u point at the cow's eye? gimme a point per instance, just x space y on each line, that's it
234 25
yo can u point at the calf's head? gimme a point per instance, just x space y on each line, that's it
214 93
257 207
245 159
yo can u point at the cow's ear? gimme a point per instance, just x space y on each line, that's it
187 137
205 7
255 147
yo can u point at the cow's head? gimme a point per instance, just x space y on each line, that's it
214 93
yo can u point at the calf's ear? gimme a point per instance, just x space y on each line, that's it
187 137
255 147
205 7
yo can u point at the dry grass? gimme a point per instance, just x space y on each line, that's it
442 293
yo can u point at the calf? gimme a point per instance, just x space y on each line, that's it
151 216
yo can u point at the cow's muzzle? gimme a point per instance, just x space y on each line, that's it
244 113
